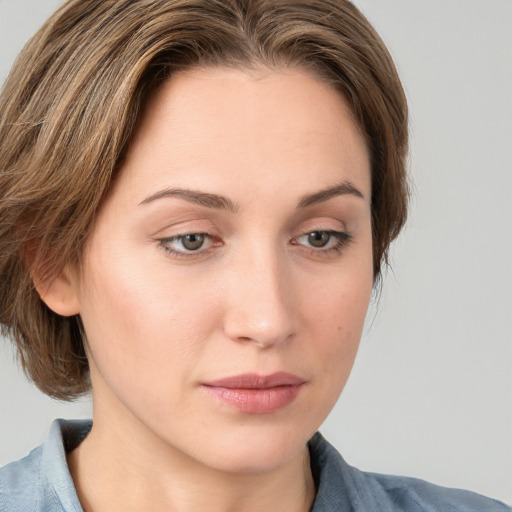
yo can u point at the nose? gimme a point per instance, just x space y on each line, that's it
260 300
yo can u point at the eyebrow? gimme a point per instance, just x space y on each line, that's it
223 203
194 196
341 189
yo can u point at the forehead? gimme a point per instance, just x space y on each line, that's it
213 125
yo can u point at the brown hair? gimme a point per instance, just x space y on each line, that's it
71 104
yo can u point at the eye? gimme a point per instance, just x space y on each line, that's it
324 241
319 238
193 242
190 243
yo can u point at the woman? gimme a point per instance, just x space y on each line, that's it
198 198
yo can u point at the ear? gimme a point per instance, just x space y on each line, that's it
61 294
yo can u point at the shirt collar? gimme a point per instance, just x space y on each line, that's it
336 482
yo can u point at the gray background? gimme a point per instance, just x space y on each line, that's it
431 392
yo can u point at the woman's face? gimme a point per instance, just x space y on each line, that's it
228 274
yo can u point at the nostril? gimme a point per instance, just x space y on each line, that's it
261 309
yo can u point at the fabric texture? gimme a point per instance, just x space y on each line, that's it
41 482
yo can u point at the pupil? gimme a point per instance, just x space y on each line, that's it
319 238
193 242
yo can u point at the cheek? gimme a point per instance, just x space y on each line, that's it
334 312
141 320
339 300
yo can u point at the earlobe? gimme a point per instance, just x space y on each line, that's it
60 295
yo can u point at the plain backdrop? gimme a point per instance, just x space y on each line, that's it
431 392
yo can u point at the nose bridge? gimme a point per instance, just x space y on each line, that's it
260 306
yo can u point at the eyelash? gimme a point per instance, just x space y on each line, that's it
343 240
164 243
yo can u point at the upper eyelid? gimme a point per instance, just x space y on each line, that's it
207 226
210 231
181 236
213 232
322 229
168 239
341 232
342 236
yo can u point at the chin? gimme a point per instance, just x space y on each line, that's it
252 450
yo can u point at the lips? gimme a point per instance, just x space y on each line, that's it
252 393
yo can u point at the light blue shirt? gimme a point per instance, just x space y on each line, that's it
41 482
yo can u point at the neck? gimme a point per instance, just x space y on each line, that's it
122 467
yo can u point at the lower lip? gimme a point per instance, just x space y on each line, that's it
256 401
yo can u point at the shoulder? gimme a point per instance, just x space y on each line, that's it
20 483
411 494
343 487
41 481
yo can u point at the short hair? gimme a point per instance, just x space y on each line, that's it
70 106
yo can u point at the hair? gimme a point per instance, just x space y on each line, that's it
72 102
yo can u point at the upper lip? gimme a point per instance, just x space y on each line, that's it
256 381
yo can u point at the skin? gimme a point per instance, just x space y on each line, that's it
256 297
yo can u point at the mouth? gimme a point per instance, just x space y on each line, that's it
252 393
